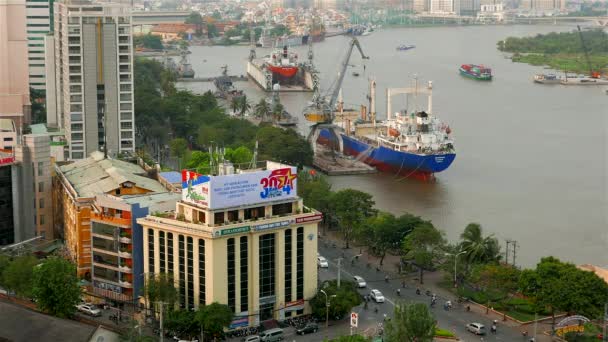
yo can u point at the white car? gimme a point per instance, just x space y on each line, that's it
476 328
377 296
322 262
89 309
360 282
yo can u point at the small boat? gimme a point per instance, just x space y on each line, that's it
476 72
547 79
405 47
356 74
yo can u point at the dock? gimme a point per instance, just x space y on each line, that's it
333 163
304 81
210 79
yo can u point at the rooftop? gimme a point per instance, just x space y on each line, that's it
96 175
599 271
153 201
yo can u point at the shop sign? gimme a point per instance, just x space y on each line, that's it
230 231
311 218
295 305
272 225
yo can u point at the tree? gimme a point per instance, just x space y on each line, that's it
160 288
479 249
183 323
18 275
132 334
240 155
284 145
55 287
352 207
351 338
498 278
346 298
212 31
148 41
261 109
411 323
424 247
178 147
213 318
277 111
195 18
382 233
235 104
315 190
244 105
5 261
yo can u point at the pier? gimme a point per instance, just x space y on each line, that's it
302 82
333 163
210 79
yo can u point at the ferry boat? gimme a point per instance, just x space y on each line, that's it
477 72
547 79
410 143
283 63
405 47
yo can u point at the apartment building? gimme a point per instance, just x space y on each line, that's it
93 68
39 23
242 239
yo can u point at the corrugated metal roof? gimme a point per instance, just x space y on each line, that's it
172 176
96 175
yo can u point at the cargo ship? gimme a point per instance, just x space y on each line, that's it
410 143
477 72
283 63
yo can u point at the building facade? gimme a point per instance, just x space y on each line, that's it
244 240
14 85
116 242
39 23
93 62
76 186
442 6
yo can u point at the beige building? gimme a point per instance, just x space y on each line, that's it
244 240
543 6
14 85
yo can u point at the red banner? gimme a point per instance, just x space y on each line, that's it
311 218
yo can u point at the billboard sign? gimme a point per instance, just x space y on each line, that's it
354 319
217 192
311 218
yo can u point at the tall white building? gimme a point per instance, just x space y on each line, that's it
93 90
39 23
443 6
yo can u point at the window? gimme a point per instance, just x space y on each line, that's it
77 136
190 273
40 186
126 125
125 106
125 116
126 135
76 127
300 263
266 260
201 271
231 275
40 168
288 266
125 87
41 203
170 253
150 251
281 209
182 271
244 274
161 251
253 213
41 219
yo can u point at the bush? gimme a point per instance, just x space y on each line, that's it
443 333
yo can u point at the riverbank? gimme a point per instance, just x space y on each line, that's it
571 63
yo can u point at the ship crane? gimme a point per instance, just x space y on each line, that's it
592 74
321 111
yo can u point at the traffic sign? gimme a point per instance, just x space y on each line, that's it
354 319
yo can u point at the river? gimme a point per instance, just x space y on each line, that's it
531 159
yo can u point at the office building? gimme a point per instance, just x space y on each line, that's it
25 183
93 91
442 6
39 23
76 186
541 7
421 6
14 86
244 240
116 242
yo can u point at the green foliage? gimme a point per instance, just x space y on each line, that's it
55 287
315 190
346 298
352 208
424 246
443 333
566 62
411 322
382 233
131 334
497 278
279 30
479 249
160 288
195 18
5 261
183 323
350 338
18 274
261 109
212 31
284 145
148 41
178 146
213 318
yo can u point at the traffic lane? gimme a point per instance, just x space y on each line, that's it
455 319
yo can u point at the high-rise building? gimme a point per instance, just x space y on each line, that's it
543 6
93 63
241 239
442 6
421 6
39 23
14 86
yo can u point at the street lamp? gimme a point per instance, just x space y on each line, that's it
327 307
455 261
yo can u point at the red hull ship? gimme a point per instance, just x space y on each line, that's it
283 63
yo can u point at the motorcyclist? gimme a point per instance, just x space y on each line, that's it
386 278
398 292
418 291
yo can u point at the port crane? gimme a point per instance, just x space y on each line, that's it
592 74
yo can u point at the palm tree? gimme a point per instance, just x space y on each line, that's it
479 249
261 109
277 112
235 104
244 105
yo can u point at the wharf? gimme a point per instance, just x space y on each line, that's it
210 79
339 164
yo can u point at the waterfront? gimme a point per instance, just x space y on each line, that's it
531 159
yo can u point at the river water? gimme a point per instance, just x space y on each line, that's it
531 159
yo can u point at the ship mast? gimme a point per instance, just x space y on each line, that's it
372 103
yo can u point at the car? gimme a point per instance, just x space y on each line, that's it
322 262
254 338
89 309
377 296
272 335
360 282
310 327
476 328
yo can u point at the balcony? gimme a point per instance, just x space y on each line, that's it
125 284
125 254
111 220
124 239
106 266
125 269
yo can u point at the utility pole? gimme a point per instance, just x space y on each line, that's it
339 268
507 252
514 251
161 321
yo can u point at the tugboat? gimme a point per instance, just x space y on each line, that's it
476 72
405 47
283 63
184 69
225 88
547 79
